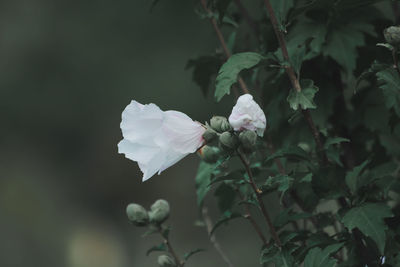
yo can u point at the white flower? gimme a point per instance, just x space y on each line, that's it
247 115
157 139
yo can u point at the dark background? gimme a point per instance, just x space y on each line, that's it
67 70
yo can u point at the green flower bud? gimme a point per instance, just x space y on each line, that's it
220 124
137 214
228 141
210 135
248 139
209 154
159 211
165 261
392 35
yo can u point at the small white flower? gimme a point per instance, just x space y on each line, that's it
157 139
247 115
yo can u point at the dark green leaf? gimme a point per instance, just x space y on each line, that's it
368 218
352 176
390 85
304 98
281 9
334 141
226 217
318 257
281 181
204 70
287 215
225 195
232 176
191 253
229 71
280 257
203 179
161 247
293 152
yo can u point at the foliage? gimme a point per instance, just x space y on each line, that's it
330 157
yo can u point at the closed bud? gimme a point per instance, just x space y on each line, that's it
159 211
392 35
228 141
220 124
210 135
248 139
137 214
165 261
209 154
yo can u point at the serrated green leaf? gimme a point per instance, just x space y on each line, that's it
203 178
226 217
281 181
161 247
225 195
318 257
280 257
191 253
353 175
305 98
390 84
229 71
205 68
368 218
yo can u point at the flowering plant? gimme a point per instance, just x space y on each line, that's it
329 160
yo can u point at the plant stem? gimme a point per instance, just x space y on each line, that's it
294 79
221 39
258 192
170 249
251 219
213 239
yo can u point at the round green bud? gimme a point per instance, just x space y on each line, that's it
209 154
159 211
137 214
165 261
228 141
210 135
220 124
392 35
248 139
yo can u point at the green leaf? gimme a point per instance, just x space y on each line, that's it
389 81
283 183
226 217
287 215
231 176
281 9
334 141
293 152
161 247
318 257
368 218
191 253
352 176
281 258
305 98
204 70
203 179
229 71
226 196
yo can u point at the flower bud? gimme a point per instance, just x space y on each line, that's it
248 139
165 261
392 35
159 211
220 124
228 141
209 154
137 214
210 135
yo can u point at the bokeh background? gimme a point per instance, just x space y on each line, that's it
67 70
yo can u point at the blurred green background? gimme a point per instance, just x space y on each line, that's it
67 70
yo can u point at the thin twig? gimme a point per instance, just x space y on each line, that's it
258 192
213 239
221 39
293 78
170 249
251 219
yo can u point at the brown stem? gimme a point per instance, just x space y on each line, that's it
221 39
213 239
293 77
258 192
251 219
170 249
